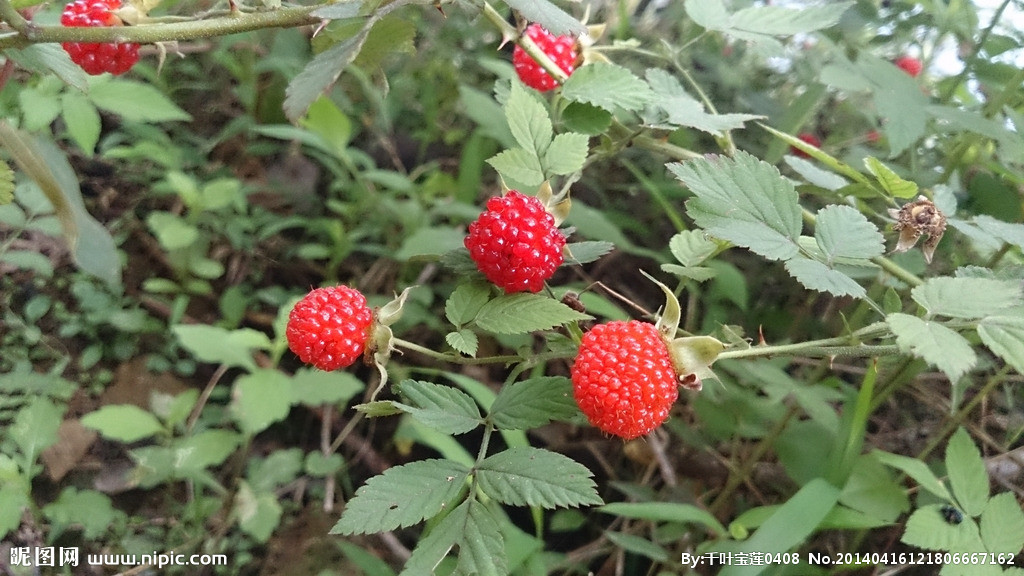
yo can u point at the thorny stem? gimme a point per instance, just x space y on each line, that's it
152 33
996 379
529 46
996 16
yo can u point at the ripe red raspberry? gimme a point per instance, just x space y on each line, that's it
623 379
96 58
910 65
515 243
810 139
561 50
329 327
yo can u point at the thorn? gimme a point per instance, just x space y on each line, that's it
760 336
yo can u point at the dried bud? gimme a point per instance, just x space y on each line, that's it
916 218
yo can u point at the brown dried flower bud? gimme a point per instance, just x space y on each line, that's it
917 218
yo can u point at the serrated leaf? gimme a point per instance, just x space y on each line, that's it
89 510
259 399
533 403
518 164
814 175
523 313
378 408
1011 233
82 120
402 496
933 342
889 180
1004 335
433 547
843 232
43 57
709 14
607 86
1002 524
390 35
481 546
927 529
123 422
696 273
259 513
917 470
897 98
527 476
665 512
320 74
133 101
745 201
204 449
465 302
528 120
672 106
967 297
586 118
692 247
968 477
567 153
556 20
587 251
463 341
779 21
443 408
818 276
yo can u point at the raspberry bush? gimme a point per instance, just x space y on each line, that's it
512 288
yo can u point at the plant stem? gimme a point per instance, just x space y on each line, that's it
996 379
977 48
152 33
529 46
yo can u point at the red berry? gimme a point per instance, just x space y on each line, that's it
561 50
515 243
96 58
329 327
623 379
910 65
810 139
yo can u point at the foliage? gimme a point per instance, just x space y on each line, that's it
157 228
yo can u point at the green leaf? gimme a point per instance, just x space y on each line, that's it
82 120
443 408
968 477
519 165
1002 524
319 465
34 429
277 469
889 180
528 120
818 276
917 470
28 260
673 107
637 545
433 547
533 403
14 500
607 86
1004 335
933 342
527 476
326 120
553 18
205 449
220 346
790 524
745 201
259 399
967 297
123 422
779 21
430 242
567 153
587 251
320 74
390 35
88 509
133 101
1011 233
692 247
91 244
666 512
465 302
897 98
402 496
523 313
259 513
709 14
315 387
171 230
843 232
814 175
463 341
6 183
926 528
481 546
586 118
52 57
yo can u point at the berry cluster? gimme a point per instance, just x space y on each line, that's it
329 327
623 378
515 243
97 58
910 65
810 139
560 49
